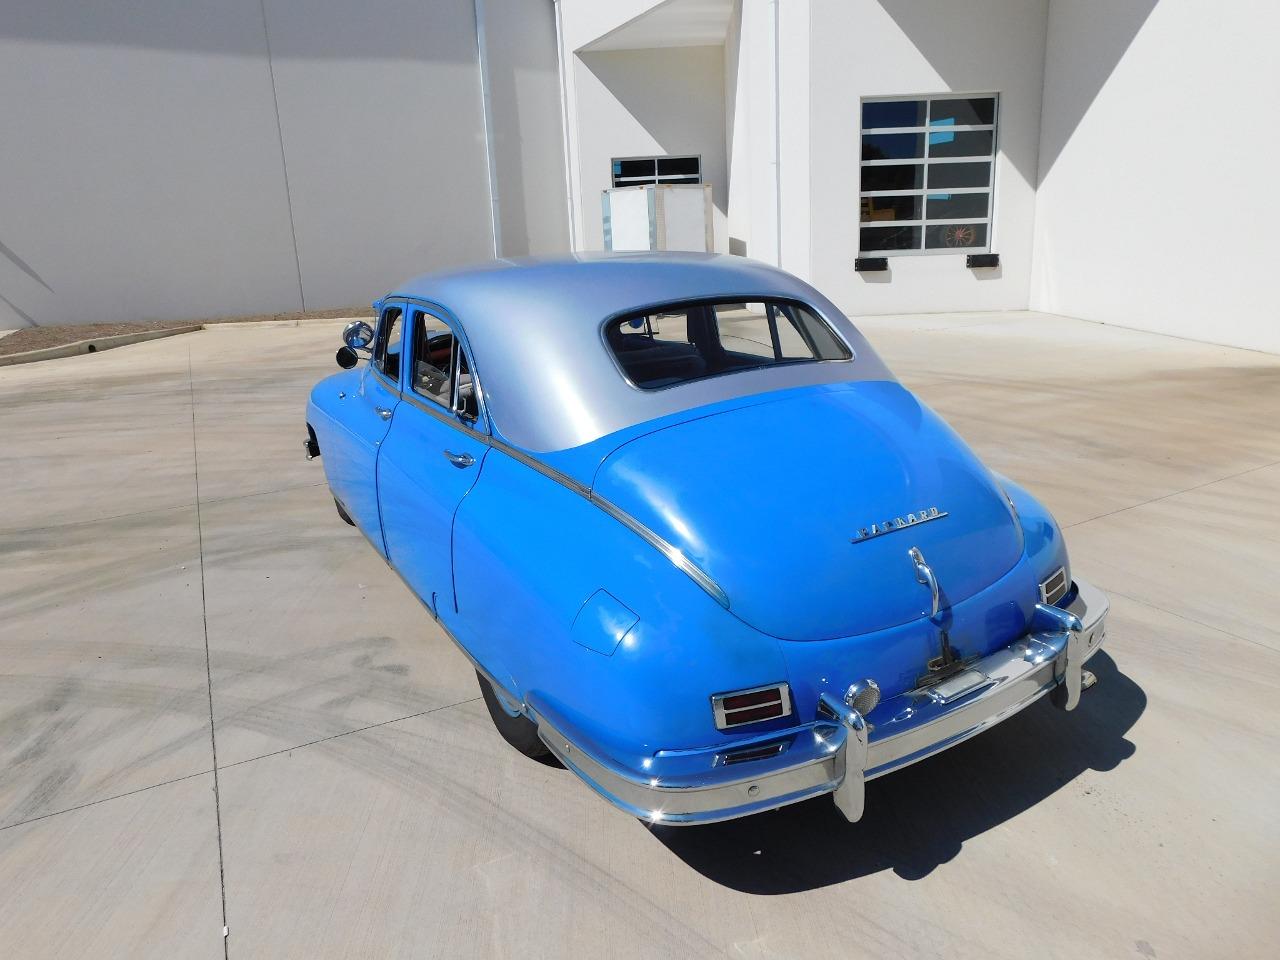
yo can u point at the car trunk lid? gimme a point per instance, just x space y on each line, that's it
803 509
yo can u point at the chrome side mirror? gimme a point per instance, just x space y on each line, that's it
357 335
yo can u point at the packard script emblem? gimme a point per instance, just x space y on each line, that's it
880 528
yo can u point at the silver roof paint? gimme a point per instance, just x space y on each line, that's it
534 329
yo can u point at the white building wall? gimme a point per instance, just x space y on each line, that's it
754 183
1154 209
528 145
794 84
147 176
586 20
863 48
736 133
655 101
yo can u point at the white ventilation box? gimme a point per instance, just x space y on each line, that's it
661 217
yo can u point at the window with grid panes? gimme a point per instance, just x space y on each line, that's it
926 174
641 171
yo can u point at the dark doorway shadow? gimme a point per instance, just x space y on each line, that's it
920 817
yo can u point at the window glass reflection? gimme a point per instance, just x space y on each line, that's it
892 113
925 174
965 112
888 238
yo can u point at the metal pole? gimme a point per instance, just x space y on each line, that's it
564 130
486 109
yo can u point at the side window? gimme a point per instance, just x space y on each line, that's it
386 354
440 372
432 359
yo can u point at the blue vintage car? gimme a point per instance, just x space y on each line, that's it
698 542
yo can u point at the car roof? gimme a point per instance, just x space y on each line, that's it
533 326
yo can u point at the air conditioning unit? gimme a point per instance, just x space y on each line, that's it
659 217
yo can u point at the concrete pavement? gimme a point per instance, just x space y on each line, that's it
174 580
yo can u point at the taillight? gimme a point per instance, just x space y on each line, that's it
751 706
1054 588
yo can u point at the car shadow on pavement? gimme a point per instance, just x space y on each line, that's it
919 818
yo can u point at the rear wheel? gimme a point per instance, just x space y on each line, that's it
515 728
343 513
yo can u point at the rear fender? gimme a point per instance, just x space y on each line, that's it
1043 543
529 553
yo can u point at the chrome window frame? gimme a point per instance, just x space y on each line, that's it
457 351
644 311
379 352
445 414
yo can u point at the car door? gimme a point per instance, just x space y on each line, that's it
431 457
367 414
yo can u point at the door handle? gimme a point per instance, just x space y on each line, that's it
384 412
459 460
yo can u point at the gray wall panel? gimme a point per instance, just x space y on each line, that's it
142 166
140 163
524 84
384 141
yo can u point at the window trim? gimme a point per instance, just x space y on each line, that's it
445 413
924 222
662 305
379 353
411 380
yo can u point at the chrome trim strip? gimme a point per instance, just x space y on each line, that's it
668 550
1020 674
444 416
651 801
749 754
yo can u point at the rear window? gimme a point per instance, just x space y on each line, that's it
692 341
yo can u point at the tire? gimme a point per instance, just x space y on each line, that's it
343 513
518 730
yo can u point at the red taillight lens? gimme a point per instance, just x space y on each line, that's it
751 706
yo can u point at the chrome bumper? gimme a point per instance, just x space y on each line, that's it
1048 659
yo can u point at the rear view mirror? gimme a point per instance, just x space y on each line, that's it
357 335
347 358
